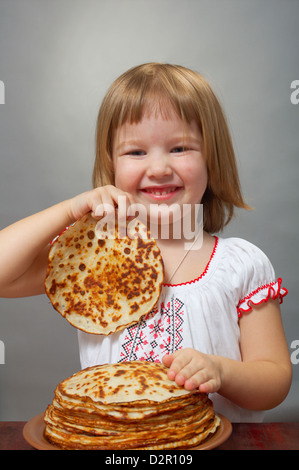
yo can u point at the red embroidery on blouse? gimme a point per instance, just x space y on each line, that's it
204 272
281 292
159 333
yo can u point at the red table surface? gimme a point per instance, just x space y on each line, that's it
245 436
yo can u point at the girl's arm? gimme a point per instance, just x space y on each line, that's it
263 379
24 245
260 381
24 248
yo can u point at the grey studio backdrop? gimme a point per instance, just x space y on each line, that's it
57 59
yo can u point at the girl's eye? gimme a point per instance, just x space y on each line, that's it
136 153
179 149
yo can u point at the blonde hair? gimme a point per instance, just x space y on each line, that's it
187 92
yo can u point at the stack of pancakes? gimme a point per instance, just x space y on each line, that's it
130 405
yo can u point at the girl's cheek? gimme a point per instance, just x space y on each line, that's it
127 176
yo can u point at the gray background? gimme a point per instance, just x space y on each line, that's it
57 59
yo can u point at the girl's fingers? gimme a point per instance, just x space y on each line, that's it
192 370
191 374
174 361
205 381
199 377
100 202
180 366
107 199
112 208
168 359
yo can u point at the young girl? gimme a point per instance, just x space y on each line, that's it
162 138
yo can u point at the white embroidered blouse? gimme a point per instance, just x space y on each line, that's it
202 314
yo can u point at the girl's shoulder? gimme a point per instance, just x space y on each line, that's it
250 273
231 261
241 250
242 258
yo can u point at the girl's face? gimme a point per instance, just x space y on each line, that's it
160 160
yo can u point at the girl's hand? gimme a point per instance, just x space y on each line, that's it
194 370
99 201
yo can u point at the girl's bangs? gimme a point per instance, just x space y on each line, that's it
152 96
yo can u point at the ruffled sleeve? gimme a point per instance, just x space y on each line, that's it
259 283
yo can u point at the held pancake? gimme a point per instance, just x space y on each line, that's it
101 283
130 405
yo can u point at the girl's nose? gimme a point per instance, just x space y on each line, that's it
159 166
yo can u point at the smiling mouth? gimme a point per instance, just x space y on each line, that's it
156 191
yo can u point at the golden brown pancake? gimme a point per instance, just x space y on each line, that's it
101 283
